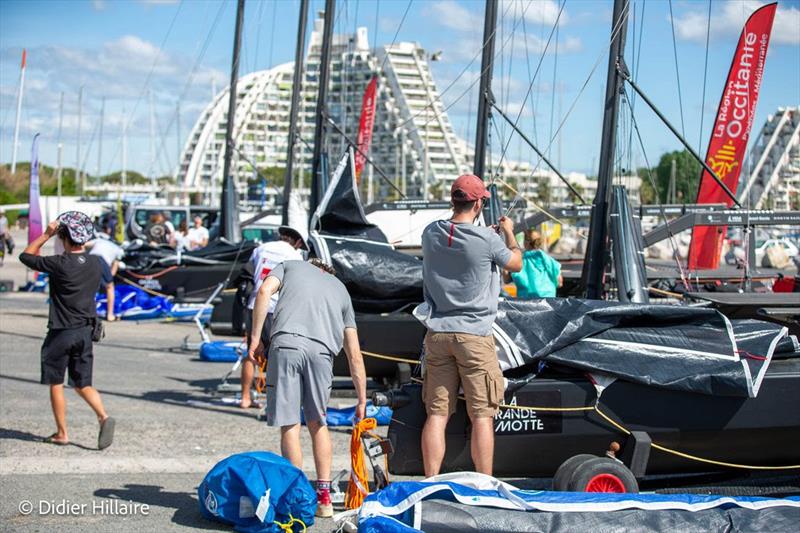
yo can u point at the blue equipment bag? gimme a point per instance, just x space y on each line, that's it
220 351
257 492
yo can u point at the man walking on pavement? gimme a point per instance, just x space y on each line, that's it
313 320
461 284
74 280
264 259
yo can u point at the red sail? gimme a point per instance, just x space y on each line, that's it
365 125
726 149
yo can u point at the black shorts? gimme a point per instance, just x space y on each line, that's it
106 276
68 349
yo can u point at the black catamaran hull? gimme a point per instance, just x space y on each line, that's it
755 431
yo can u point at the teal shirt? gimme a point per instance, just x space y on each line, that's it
538 277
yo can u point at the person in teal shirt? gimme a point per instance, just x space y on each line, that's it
541 274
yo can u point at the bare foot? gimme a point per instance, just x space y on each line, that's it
248 404
57 439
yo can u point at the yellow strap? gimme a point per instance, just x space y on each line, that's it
391 358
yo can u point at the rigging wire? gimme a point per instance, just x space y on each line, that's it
146 85
431 103
272 33
396 33
553 85
259 19
614 31
533 79
655 189
377 20
200 57
677 71
705 77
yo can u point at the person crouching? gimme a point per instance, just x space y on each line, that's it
313 320
74 278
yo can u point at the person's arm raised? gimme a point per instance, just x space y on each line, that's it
357 370
507 229
34 247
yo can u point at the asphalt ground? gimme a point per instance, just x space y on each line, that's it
172 427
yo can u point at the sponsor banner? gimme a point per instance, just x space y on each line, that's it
366 125
34 210
728 143
527 421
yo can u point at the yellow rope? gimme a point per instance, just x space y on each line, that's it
288 525
615 424
391 358
145 289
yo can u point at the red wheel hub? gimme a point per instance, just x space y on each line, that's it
605 483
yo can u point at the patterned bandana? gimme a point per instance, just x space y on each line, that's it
79 225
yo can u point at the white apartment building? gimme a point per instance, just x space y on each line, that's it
774 182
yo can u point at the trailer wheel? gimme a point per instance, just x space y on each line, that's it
567 468
603 474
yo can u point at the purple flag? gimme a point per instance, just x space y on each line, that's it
34 211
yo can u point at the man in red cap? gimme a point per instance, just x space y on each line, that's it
461 281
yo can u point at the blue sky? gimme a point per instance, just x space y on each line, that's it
114 49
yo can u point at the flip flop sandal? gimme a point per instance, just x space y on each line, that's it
52 440
106 436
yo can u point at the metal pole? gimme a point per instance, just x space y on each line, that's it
124 176
60 148
297 82
152 143
322 93
229 217
19 113
178 146
484 91
597 250
100 137
78 176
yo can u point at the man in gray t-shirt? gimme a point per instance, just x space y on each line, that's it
461 283
313 320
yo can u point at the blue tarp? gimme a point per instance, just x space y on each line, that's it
255 491
344 416
458 502
132 303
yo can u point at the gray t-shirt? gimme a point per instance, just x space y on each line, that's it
461 276
312 304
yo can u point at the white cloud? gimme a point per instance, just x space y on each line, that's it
729 18
99 5
159 2
543 12
455 16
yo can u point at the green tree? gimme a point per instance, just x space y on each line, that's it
687 178
543 191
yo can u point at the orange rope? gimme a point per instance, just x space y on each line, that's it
151 276
358 485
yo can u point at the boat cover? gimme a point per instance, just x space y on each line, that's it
467 501
378 278
142 256
676 347
132 303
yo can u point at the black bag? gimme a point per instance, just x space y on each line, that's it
98 331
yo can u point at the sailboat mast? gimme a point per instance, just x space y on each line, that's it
321 112
60 148
229 212
100 137
485 89
596 252
78 173
19 113
297 81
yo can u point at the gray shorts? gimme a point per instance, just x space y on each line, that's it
299 375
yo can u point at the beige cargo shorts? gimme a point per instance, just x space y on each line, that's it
453 359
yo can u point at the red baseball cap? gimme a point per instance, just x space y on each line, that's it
468 188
